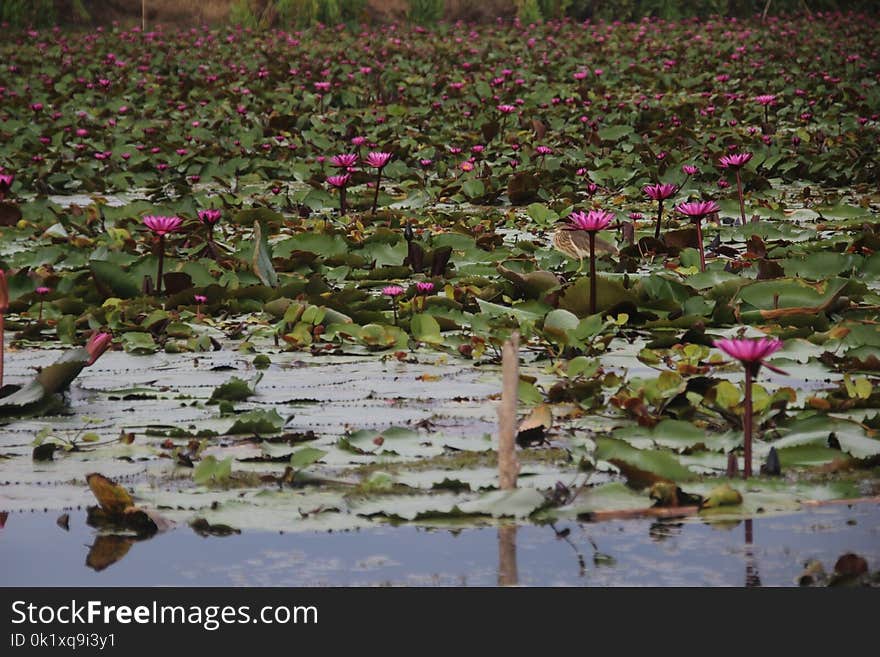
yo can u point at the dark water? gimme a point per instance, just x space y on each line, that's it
772 551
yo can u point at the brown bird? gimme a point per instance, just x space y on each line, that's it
576 244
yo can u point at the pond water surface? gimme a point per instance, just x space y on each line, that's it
766 551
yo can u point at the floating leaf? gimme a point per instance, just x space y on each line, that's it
112 497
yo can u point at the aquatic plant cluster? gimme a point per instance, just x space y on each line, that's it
396 192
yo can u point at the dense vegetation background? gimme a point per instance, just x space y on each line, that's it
302 13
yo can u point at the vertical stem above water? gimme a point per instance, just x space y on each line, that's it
376 195
161 263
739 190
508 466
700 244
592 272
659 219
747 426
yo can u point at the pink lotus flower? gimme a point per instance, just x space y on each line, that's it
543 150
752 355
660 192
697 210
338 181
592 221
344 160
424 288
161 226
209 217
734 160
97 345
200 298
6 180
393 291
690 169
41 292
506 109
765 99
378 159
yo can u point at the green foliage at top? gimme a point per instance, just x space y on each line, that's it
40 13
295 14
425 12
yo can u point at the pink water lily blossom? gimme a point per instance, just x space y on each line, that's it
734 160
697 211
199 299
344 160
161 226
393 291
97 345
592 221
6 180
41 292
210 217
338 181
660 192
424 287
752 355
377 159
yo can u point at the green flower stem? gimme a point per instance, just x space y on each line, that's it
747 426
592 235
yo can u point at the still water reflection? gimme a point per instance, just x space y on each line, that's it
773 551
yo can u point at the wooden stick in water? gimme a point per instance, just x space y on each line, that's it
508 466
